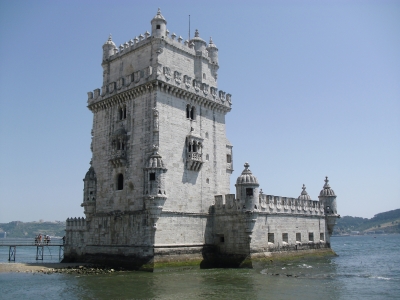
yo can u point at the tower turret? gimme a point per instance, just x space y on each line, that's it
154 185
212 52
89 192
158 25
247 189
108 48
327 199
304 195
198 42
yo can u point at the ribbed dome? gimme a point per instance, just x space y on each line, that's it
304 195
211 45
247 177
90 174
155 160
159 16
110 42
327 191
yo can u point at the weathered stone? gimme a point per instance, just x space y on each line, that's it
157 192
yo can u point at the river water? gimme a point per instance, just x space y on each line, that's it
367 267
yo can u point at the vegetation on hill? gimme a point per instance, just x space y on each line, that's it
18 229
388 221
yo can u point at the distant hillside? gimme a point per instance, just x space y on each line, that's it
17 229
388 221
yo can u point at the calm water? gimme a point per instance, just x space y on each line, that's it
366 268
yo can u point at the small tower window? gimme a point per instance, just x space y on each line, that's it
311 236
207 157
271 238
228 158
152 176
192 113
298 237
207 180
120 183
249 192
204 76
285 237
194 147
188 111
158 27
321 237
122 113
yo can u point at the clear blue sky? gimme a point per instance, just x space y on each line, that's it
315 85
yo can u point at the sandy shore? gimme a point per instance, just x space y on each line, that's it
24 268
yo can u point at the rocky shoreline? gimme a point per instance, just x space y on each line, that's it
53 268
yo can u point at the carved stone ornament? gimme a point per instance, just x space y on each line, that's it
205 89
196 85
178 77
271 202
111 87
167 73
148 71
213 92
159 50
222 95
159 69
229 98
137 76
156 121
187 80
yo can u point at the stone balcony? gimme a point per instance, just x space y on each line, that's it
194 161
118 158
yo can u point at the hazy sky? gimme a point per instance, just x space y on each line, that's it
315 88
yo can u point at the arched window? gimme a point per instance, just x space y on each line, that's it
120 183
194 147
121 113
188 111
192 113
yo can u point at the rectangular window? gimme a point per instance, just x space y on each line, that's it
298 237
152 176
271 238
285 237
311 237
249 192
321 237
228 158
222 239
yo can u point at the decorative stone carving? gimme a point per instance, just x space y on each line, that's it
178 77
167 73
222 96
196 85
137 76
187 80
205 88
155 115
213 92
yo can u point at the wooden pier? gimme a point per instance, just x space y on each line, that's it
39 248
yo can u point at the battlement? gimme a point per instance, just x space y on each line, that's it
76 224
271 204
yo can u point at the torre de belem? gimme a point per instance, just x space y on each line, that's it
157 191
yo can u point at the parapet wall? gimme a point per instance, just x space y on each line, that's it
271 204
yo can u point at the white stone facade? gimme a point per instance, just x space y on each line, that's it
158 186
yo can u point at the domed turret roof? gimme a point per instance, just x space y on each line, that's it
304 195
211 45
90 174
159 17
247 177
197 37
155 160
327 191
109 41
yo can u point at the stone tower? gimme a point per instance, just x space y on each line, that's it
159 146
157 190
